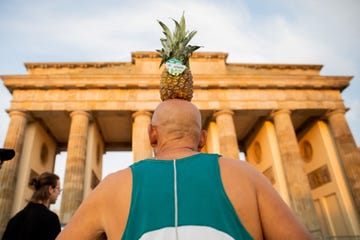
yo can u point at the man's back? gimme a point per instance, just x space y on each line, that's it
184 197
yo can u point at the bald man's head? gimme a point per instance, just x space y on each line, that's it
177 118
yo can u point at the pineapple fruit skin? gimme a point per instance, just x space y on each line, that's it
176 87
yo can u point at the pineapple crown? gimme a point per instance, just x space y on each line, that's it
175 45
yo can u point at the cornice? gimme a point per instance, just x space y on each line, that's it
259 66
145 54
210 55
201 81
154 55
134 56
71 65
195 55
113 65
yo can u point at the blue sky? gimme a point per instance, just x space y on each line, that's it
323 32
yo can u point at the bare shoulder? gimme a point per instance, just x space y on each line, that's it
238 165
236 170
120 178
113 185
257 203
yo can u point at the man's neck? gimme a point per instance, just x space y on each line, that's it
174 153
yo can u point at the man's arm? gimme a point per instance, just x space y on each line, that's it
105 210
277 219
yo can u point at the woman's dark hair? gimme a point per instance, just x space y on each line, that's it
41 185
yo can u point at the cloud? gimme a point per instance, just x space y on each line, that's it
305 32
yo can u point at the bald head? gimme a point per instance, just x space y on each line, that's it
177 118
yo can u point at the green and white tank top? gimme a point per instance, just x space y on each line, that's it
182 199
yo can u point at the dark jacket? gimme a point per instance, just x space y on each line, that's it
35 221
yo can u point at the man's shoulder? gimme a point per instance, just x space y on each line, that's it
235 164
238 169
117 179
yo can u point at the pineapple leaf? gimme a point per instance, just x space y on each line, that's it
175 44
183 26
189 37
166 30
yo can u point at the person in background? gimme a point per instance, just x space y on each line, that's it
36 221
182 193
6 154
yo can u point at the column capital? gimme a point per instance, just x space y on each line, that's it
81 112
280 111
332 112
22 113
223 111
139 113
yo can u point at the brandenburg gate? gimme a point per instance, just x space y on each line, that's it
287 119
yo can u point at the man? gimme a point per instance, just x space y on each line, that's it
184 194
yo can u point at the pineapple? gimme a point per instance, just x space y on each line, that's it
176 79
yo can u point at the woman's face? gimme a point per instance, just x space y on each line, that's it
54 193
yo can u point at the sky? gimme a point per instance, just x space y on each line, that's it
325 32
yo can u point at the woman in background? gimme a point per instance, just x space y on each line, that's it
36 221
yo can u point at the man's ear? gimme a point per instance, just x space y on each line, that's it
202 140
152 135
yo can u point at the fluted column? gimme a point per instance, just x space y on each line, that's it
212 140
140 139
8 173
348 151
75 165
297 182
227 134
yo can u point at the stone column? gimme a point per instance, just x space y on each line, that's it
298 187
212 140
347 150
75 165
8 173
227 134
140 139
